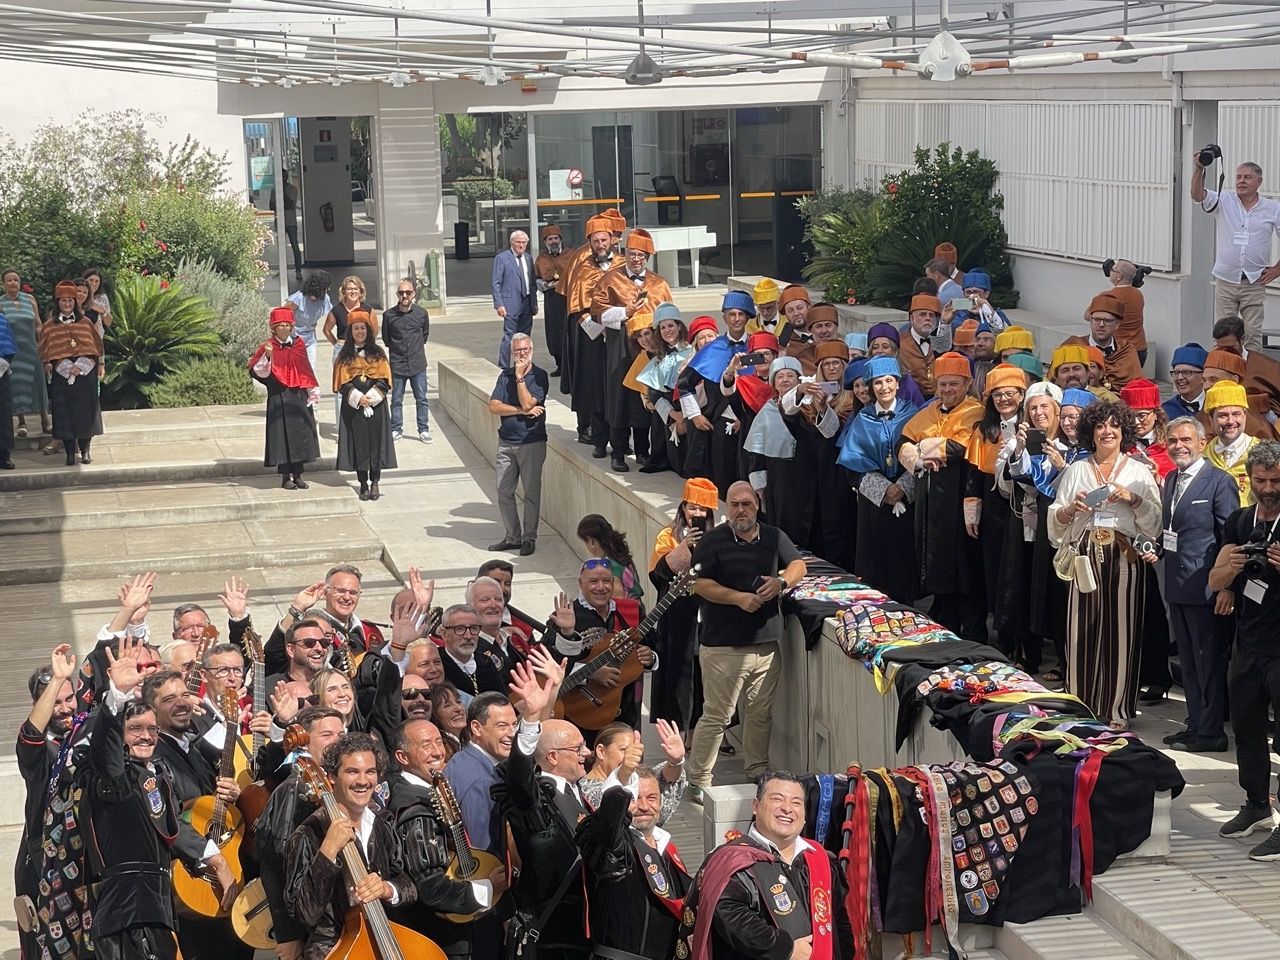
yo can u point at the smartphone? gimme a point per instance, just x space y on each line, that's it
829 387
1096 498
702 523
642 295
1035 442
754 359
961 303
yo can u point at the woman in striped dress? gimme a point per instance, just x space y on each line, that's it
26 381
1104 626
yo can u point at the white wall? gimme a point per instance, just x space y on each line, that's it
36 94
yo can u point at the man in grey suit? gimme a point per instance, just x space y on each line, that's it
515 292
1198 498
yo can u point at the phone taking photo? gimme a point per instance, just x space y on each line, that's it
1097 497
1036 440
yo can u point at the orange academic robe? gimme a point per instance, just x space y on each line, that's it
914 362
618 289
1262 375
1122 366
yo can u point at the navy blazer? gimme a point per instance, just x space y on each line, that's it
507 289
1174 408
1199 521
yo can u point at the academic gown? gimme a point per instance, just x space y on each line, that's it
676 691
713 453
364 443
617 288
77 414
587 362
1262 375
549 269
291 421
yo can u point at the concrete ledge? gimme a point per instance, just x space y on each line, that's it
125 474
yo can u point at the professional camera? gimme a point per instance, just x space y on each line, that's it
1255 552
1139 277
1208 154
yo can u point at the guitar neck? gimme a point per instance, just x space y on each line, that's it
622 644
226 768
259 702
384 941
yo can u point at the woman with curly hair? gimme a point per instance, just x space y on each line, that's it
1104 502
601 540
310 306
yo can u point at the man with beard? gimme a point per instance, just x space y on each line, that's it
634 872
472 675
307 644
316 890
1227 407
745 566
1226 365
771 894
420 755
1069 368
341 592
583 361
794 303
49 750
553 260
135 828
916 353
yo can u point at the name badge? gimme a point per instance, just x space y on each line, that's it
1241 237
1255 590
1105 520
1171 541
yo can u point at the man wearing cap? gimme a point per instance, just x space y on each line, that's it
583 363
281 365
963 336
1120 359
1228 366
1013 340
1227 406
977 287
1242 266
794 303
515 295
1186 370
623 302
935 443
1261 373
1069 369
551 264
767 319
915 352
1131 330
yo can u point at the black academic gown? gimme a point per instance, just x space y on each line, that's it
486 679
364 443
713 453
676 692
291 425
77 414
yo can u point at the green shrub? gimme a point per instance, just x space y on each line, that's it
239 312
215 381
156 327
874 246
164 225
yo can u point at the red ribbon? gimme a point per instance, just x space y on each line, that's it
1082 817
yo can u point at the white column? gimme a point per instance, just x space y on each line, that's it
531 144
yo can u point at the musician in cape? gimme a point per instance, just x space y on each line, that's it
134 825
769 894
340 590
635 877
316 889
595 609
281 365
420 755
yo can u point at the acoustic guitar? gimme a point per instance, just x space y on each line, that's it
216 820
367 934
589 710
253 790
251 917
466 864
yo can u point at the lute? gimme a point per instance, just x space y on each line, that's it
466 864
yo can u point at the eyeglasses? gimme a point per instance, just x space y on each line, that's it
463 629
595 563
1009 393
310 642
413 693
1184 374
343 592
311 701
193 627
1144 414
223 672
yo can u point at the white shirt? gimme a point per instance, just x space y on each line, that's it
1233 451
801 844
1255 226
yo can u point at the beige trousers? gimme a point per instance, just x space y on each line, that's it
728 672
1244 300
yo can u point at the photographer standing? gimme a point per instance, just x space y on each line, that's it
1247 572
1242 267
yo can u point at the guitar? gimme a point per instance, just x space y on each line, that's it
216 820
467 864
253 791
251 917
590 711
195 676
367 934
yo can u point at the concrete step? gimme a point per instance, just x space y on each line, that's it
51 509
225 544
42 473
1173 915
1065 938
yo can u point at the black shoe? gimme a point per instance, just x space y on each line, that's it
7 464
554 373
642 462
599 453
527 548
71 458
287 483
85 458
619 465
1204 745
1268 849
1153 694
374 492
1174 739
652 467
300 483
1250 818
585 437
505 545
364 493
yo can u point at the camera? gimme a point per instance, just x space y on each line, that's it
1255 564
1209 153
1139 276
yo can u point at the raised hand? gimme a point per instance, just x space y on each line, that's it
235 597
283 706
632 757
405 618
62 663
672 742
308 597
527 693
124 668
546 666
563 616
136 594
423 593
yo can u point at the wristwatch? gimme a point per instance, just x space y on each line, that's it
782 582
295 613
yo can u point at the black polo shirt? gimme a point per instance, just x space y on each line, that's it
737 564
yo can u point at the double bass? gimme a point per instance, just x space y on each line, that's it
367 934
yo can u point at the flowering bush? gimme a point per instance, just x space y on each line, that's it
166 225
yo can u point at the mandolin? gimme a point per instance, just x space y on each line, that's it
367 934
216 820
466 864
586 709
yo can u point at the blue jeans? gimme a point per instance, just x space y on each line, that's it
419 384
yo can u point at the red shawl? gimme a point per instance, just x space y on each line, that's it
289 364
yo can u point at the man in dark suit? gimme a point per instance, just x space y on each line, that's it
1198 498
515 294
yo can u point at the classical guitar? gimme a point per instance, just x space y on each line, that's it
466 864
216 820
592 710
251 917
254 793
367 934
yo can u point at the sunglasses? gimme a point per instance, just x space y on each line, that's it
404 293
596 563
415 693
310 642
311 701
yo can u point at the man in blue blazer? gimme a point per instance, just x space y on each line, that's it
515 292
1187 373
1198 498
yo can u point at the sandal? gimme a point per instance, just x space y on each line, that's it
727 749
52 447
22 430
1118 726
1052 676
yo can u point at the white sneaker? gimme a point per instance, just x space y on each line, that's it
397 435
425 436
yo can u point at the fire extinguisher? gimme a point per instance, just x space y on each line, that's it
326 217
